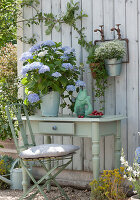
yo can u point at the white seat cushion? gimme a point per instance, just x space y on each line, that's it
48 150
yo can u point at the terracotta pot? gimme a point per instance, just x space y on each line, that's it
92 67
135 197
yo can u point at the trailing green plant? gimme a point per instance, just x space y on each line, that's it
100 71
110 186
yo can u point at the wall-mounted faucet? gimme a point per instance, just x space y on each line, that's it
101 31
118 31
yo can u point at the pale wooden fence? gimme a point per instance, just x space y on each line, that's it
123 93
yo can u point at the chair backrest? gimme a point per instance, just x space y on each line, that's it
14 114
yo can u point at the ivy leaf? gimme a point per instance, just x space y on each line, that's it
48 31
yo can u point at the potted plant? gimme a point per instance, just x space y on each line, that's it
112 53
48 71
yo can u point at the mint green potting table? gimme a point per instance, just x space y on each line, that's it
82 127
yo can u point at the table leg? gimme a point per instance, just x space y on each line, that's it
95 150
47 140
118 145
25 182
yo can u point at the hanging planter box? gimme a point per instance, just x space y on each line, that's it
113 66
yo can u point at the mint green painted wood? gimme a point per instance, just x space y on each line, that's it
118 145
16 110
93 128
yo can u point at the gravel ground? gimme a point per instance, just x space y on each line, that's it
73 194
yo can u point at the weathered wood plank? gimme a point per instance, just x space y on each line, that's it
120 81
132 76
87 23
110 92
98 14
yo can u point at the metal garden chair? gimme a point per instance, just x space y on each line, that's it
45 154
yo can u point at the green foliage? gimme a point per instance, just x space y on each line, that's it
110 186
5 166
99 69
8 19
8 86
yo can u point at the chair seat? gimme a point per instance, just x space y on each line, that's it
48 150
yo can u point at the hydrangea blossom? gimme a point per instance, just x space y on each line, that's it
70 88
33 98
30 67
67 66
35 47
80 83
56 74
26 56
48 43
64 57
68 50
44 69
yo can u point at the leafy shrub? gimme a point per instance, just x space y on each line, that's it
8 85
5 166
109 186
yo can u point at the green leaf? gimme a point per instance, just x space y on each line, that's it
57 28
24 81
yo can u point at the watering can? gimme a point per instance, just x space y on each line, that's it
15 181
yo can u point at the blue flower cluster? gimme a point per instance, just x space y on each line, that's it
30 67
38 46
67 66
26 56
44 69
48 43
64 57
70 88
33 98
80 83
56 74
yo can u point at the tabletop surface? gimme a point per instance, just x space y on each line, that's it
68 118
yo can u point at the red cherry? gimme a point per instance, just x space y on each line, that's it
79 116
82 116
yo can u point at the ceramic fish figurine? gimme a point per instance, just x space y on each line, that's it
83 105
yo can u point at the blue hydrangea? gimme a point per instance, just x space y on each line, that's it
80 83
68 50
30 67
33 98
56 74
67 66
35 47
26 56
25 69
44 69
48 43
64 57
138 155
70 88
35 65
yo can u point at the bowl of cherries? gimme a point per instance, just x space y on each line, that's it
95 114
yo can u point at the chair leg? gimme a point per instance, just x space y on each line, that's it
48 176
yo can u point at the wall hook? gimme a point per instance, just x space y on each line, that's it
118 31
101 30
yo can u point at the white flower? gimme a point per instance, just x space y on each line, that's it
43 53
130 179
122 159
124 176
59 52
129 168
135 173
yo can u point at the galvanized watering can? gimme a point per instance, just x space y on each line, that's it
15 181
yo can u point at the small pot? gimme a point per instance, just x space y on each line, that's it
135 197
113 66
92 67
